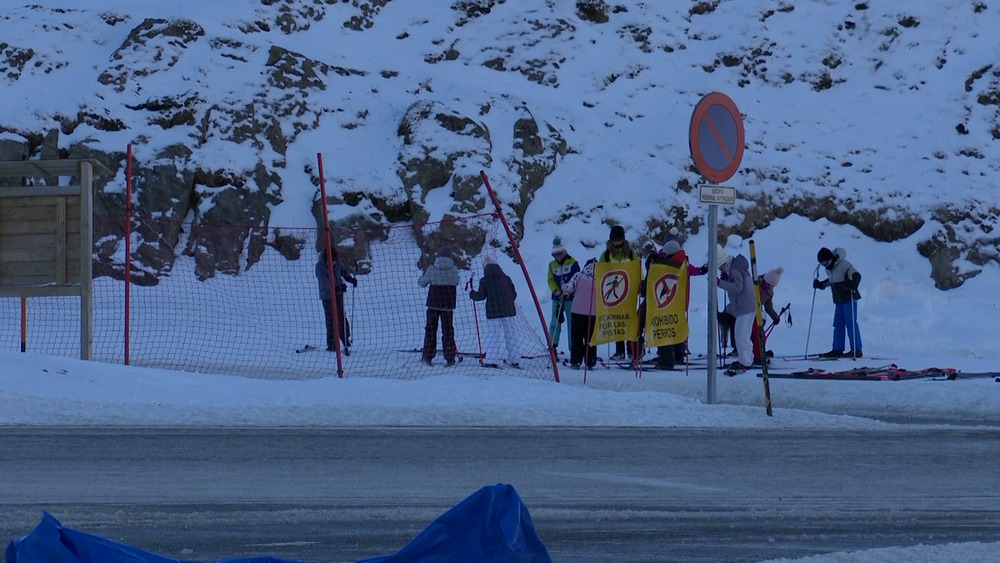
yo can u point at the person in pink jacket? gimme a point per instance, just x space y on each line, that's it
584 316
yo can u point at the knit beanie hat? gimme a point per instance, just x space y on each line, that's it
774 276
557 247
617 233
824 255
671 247
445 250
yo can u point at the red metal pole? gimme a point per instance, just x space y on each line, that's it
24 324
329 266
128 246
524 269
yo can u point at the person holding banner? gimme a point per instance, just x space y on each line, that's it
737 282
673 255
617 251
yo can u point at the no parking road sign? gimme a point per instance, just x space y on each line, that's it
716 137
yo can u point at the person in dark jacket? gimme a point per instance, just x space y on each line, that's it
442 277
323 282
497 289
843 281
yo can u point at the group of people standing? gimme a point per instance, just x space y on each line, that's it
442 279
574 299
495 288
572 289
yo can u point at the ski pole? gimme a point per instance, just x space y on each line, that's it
475 315
854 328
811 308
767 333
354 290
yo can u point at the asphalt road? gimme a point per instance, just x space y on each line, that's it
607 494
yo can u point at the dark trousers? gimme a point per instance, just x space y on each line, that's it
582 330
447 334
345 331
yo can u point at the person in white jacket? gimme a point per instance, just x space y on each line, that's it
736 280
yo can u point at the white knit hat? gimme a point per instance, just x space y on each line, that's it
720 257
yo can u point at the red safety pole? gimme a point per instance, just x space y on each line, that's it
24 324
128 246
524 269
329 267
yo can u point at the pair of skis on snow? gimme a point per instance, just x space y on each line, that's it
888 372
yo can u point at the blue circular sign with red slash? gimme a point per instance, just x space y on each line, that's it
716 137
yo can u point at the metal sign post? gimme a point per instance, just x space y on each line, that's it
716 140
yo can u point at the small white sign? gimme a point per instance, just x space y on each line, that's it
719 195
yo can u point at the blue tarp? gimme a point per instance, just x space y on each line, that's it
50 542
490 526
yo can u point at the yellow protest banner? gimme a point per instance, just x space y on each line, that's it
666 304
617 294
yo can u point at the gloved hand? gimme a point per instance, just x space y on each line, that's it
703 270
342 288
472 295
818 284
775 319
354 282
557 294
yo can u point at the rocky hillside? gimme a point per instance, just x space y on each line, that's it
884 117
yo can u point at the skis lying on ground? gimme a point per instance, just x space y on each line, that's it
995 375
847 356
890 372
648 365
480 356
